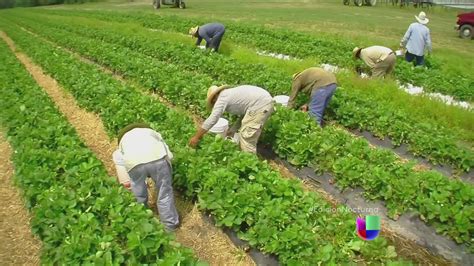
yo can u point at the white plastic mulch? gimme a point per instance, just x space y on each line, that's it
411 89
275 55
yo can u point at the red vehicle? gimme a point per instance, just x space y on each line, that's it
465 25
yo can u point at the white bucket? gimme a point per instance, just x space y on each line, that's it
221 127
399 52
282 99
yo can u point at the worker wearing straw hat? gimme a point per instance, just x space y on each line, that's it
252 104
381 60
143 153
317 82
212 33
417 39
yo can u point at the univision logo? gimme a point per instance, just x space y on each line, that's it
369 228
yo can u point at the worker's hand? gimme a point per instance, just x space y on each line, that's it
304 108
193 142
127 185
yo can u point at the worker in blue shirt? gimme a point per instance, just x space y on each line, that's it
211 32
416 40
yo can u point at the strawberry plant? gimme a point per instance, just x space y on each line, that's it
350 108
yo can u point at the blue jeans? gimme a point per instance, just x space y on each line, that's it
161 173
420 60
216 40
320 100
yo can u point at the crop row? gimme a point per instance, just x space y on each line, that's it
301 45
273 213
296 138
80 213
351 108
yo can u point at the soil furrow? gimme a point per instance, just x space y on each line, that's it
19 246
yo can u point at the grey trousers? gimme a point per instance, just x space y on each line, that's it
161 173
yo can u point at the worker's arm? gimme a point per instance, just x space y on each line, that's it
120 167
217 112
206 37
406 37
199 40
295 88
428 42
117 157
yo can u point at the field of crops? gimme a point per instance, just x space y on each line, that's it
116 63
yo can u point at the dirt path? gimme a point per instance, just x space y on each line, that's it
18 245
209 243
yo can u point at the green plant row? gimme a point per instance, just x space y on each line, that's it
336 51
387 92
273 213
81 215
308 145
351 108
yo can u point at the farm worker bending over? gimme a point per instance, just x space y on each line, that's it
417 39
143 153
212 33
380 59
317 82
254 105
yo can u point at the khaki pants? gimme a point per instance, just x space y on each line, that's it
384 67
251 128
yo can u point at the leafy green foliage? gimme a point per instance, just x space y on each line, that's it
352 108
82 215
236 187
334 51
292 134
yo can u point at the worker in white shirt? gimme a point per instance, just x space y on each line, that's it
143 153
381 60
417 40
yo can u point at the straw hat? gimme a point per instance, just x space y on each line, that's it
422 18
212 93
356 51
296 75
193 31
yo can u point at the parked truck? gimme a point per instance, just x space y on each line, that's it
465 24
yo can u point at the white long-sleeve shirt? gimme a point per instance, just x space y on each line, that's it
140 145
417 39
237 101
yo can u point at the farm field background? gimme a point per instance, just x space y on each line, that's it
115 58
383 24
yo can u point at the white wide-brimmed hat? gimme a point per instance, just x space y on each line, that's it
422 18
193 31
212 93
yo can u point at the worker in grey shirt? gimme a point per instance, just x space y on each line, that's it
381 60
417 39
253 104
143 153
211 32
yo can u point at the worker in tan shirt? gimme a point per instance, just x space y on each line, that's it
317 82
381 60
